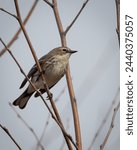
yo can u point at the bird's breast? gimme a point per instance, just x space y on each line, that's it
57 66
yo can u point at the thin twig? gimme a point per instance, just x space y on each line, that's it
76 17
53 116
104 120
49 3
19 30
13 15
117 2
47 121
60 94
43 132
111 127
68 78
26 124
67 127
11 137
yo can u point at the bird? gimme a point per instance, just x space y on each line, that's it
54 65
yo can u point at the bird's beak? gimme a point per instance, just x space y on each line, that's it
72 51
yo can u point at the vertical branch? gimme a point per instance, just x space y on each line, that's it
59 23
8 133
68 78
118 18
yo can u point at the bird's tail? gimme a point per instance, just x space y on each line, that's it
22 100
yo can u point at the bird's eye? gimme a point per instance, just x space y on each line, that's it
64 49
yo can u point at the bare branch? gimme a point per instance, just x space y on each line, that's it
74 20
19 30
74 110
50 4
68 78
11 137
67 127
26 124
43 132
111 127
59 23
13 15
118 18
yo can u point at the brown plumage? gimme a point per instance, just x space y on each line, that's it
53 65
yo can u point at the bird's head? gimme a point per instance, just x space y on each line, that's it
63 51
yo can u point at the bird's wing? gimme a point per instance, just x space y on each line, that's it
33 70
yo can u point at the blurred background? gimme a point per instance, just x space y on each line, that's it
94 70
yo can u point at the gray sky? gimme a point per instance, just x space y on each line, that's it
94 69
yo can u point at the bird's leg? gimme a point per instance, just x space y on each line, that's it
50 96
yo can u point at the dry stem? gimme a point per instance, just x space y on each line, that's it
49 3
118 18
43 132
74 20
11 137
67 127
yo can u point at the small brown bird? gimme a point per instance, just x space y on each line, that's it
53 65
